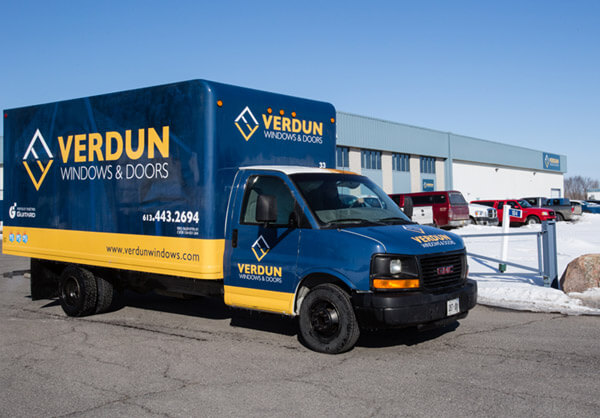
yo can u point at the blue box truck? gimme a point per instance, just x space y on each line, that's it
202 188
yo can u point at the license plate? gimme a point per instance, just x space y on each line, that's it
453 307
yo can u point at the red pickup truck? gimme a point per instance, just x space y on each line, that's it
530 215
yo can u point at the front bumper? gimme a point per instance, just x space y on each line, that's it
458 223
486 221
397 310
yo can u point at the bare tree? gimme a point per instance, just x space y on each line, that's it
577 187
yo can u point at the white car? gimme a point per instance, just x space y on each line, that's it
482 215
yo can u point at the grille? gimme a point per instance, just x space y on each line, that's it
491 213
442 271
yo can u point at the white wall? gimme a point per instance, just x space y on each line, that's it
440 178
478 181
354 160
415 173
386 172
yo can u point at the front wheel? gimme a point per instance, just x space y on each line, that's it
327 321
559 217
532 220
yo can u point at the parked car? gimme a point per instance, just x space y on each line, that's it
529 214
482 215
450 209
587 206
577 208
562 206
422 215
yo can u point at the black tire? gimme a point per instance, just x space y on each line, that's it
106 295
532 220
327 321
559 217
473 221
77 291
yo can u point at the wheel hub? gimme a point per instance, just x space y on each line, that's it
324 319
72 292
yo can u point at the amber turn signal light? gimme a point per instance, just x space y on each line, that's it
396 283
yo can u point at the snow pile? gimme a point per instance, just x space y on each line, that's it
520 289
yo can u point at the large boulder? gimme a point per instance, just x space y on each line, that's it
581 274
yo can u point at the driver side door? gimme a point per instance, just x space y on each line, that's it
261 260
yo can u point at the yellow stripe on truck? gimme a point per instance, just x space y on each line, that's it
187 257
263 300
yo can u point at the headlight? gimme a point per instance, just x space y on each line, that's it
544 213
395 266
394 272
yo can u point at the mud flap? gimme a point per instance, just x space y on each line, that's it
44 279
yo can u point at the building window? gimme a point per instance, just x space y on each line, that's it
400 162
371 160
342 157
428 165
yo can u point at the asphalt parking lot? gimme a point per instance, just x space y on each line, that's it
159 356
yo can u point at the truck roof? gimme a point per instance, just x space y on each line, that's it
295 169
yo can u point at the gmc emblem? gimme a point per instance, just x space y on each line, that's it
445 270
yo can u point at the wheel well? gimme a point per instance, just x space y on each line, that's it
313 280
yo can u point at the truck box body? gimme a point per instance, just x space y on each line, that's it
88 177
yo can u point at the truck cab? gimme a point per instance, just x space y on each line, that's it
296 245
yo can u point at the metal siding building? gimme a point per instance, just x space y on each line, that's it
479 168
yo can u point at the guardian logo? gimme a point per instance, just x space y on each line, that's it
249 125
12 211
31 156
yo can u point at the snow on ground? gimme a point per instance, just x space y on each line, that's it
523 290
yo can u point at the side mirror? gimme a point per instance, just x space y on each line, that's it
266 209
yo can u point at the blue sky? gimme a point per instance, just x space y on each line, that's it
519 72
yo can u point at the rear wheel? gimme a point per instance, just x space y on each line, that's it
327 321
77 291
532 220
106 295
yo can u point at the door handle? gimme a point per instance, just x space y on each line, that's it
234 238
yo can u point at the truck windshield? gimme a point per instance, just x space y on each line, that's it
347 200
